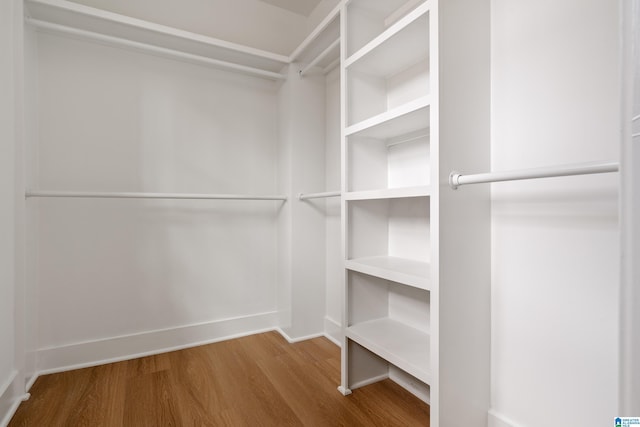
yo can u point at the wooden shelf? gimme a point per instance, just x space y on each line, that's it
401 345
396 49
404 271
389 193
73 15
401 120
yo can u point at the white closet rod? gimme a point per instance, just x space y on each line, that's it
144 47
636 118
303 196
456 179
117 195
320 57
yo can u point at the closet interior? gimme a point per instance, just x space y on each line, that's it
183 189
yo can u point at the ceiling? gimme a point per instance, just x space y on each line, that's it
301 7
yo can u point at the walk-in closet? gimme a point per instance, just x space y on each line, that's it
319 212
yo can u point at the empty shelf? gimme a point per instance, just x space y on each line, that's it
400 270
402 345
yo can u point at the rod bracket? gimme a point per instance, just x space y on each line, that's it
454 177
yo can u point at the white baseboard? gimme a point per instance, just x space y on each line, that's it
93 353
10 398
368 381
31 381
498 420
291 340
333 331
6 385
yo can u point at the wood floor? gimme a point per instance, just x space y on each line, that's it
259 380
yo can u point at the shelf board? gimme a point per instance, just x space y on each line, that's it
400 344
397 48
319 39
81 17
389 193
407 118
401 270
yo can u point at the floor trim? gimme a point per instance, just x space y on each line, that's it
496 419
99 352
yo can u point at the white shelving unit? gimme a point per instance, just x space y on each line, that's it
417 268
402 345
401 270
386 195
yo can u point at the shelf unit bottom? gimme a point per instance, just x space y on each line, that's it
401 345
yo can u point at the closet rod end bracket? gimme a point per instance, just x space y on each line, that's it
454 179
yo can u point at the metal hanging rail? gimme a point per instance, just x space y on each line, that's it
123 195
307 196
144 47
456 179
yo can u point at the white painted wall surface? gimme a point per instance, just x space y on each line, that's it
555 95
630 224
7 196
29 180
249 22
113 120
333 241
302 224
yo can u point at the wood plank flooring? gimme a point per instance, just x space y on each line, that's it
259 380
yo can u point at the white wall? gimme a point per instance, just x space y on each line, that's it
555 94
7 201
12 305
113 120
333 241
302 227
249 22
630 225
